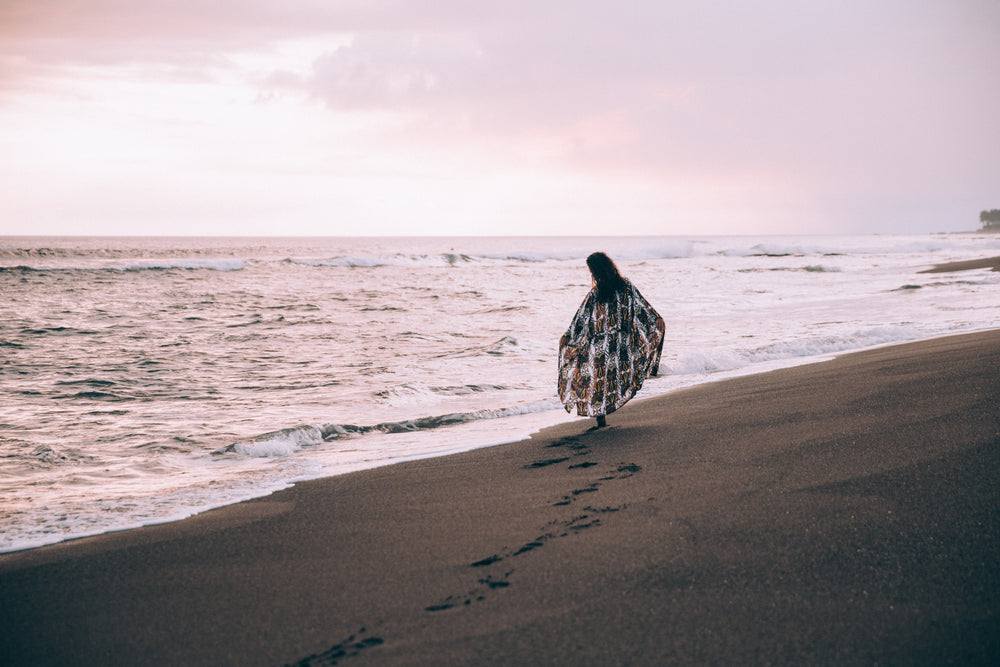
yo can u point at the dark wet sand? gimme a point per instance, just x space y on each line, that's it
992 263
846 512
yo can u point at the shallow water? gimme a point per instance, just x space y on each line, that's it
144 379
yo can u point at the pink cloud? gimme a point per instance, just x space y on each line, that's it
843 100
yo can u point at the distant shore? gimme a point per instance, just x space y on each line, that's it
843 512
992 263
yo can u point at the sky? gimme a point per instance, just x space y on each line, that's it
558 117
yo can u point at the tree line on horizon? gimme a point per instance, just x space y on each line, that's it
990 219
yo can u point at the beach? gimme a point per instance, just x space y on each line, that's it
844 512
151 379
991 263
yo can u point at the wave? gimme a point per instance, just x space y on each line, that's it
498 348
413 389
670 250
44 331
837 246
118 248
654 249
290 440
234 255
529 257
812 268
349 261
152 265
778 250
287 441
698 362
395 259
189 264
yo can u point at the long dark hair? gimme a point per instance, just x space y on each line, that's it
606 275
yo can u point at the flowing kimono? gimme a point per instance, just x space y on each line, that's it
612 347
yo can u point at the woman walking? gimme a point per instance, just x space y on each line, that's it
613 343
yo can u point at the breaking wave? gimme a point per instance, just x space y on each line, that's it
725 359
152 265
290 440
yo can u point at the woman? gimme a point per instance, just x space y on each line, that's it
612 344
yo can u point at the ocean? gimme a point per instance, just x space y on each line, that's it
146 379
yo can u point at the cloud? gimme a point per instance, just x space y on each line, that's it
855 106
680 85
380 71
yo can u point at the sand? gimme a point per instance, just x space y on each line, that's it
844 512
992 263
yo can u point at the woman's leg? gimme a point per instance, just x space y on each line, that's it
601 422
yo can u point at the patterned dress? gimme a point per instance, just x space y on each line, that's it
612 347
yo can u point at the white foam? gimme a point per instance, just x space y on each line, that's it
675 250
704 361
718 360
811 347
345 261
190 264
530 257
149 265
280 443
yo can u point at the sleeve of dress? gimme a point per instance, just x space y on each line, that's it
649 336
578 327
643 309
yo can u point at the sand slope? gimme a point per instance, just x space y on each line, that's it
837 513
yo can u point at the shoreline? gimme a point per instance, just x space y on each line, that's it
141 461
992 263
842 511
720 376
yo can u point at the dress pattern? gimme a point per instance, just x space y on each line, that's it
612 347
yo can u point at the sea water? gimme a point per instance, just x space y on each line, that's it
146 379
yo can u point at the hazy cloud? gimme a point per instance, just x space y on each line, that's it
866 107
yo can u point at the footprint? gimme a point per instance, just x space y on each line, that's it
629 469
530 546
489 560
571 442
534 544
348 648
492 583
566 500
582 526
603 510
475 595
449 603
562 527
624 471
579 523
546 462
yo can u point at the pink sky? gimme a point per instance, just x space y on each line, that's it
563 117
